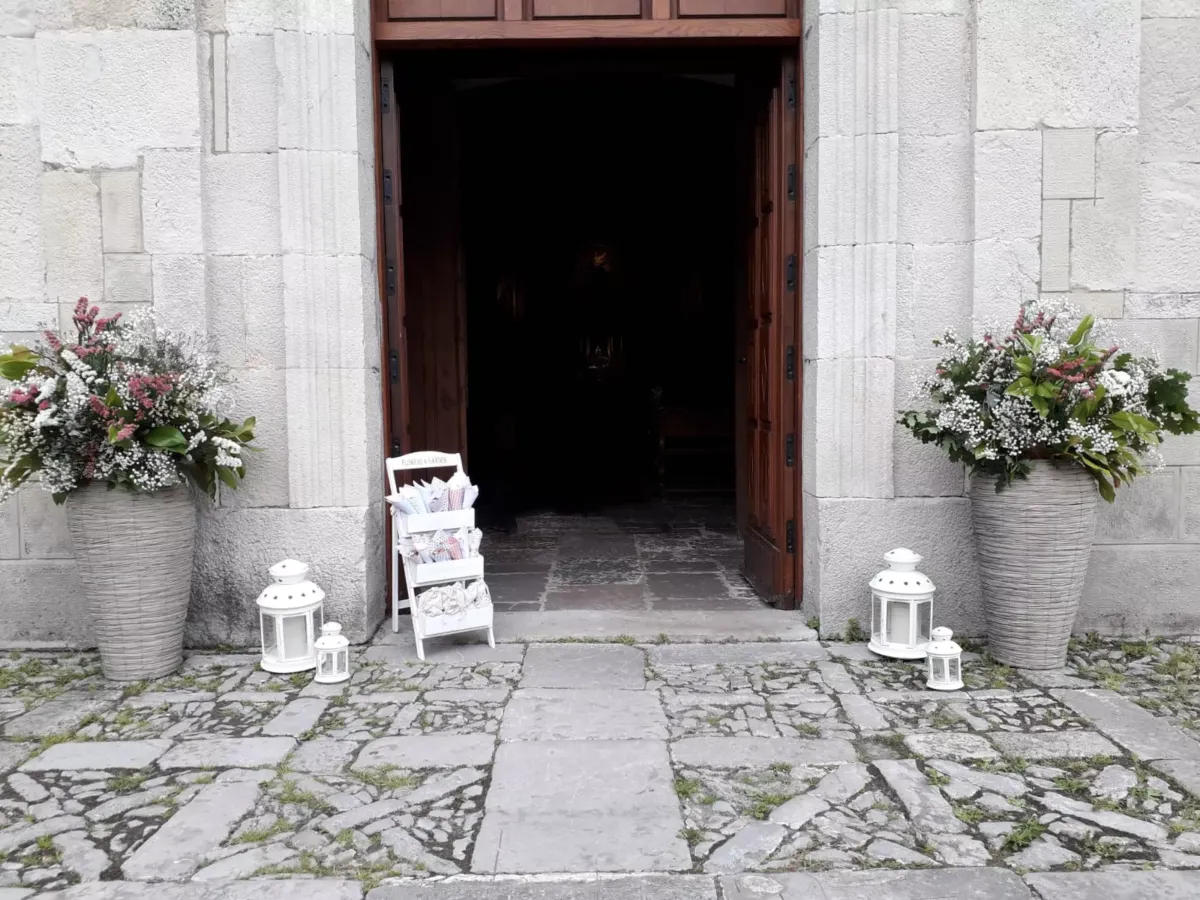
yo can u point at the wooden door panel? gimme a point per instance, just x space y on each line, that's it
731 8
392 280
771 308
442 9
587 9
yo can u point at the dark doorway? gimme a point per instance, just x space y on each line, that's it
595 295
599 239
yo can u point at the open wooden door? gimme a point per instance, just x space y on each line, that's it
392 275
423 266
771 299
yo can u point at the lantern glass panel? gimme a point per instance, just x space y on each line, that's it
269 638
954 670
899 624
924 620
937 668
877 607
327 663
295 637
341 661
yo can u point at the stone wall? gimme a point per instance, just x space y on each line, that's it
213 159
963 156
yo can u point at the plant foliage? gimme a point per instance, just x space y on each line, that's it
1051 389
117 403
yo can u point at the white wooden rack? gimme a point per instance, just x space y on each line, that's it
420 575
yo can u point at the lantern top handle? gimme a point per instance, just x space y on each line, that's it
424 459
289 571
902 558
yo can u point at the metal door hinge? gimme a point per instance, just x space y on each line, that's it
397 449
791 91
387 185
791 181
791 273
789 454
789 362
391 281
385 94
394 365
791 536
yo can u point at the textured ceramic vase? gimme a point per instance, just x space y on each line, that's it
1033 541
135 562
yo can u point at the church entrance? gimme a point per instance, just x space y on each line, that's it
591 300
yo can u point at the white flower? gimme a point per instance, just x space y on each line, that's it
1115 383
48 389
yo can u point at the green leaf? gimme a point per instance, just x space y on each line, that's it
227 478
166 437
1128 421
14 369
112 399
1024 365
1081 331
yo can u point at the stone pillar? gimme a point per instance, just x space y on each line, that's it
887 267
289 203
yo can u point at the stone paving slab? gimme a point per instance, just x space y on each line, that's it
398 647
936 884
60 715
584 666
98 755
1184 771
1160 885
176 850
654 887
581 806
745 752
258 889
1053 744
796 653
13 753
538 714
430 751
1135 729
243 753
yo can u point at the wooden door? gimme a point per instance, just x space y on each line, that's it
398 436
427 320
772 303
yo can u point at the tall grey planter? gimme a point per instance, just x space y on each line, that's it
1033 541
135 561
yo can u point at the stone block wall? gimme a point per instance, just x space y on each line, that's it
1039 149
213 159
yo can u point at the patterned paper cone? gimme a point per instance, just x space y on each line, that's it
456 550
475 541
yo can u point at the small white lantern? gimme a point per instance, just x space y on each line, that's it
290 613
944 661
901 607
333 655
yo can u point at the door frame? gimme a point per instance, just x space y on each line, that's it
656 28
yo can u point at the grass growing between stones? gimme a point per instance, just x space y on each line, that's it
126 784
254 835
386 778
686 788
1023 835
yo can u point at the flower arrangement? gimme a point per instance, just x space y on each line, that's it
117 403
1051 389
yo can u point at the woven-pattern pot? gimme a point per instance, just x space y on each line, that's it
1033 541
135 561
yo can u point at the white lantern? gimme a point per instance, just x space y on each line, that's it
901 607
333 655
943 660
290 613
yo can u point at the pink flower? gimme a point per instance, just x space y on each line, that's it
52 340
126 432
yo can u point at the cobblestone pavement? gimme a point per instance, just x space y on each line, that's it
613 770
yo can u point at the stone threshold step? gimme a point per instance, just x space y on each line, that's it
643 626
